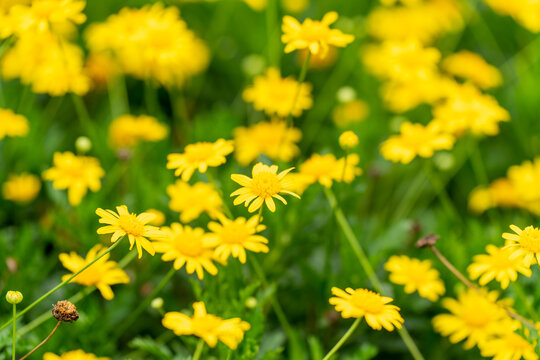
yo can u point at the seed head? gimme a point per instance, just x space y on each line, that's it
428 240
65 311
14 297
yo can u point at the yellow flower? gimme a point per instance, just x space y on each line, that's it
524 12
318 61
510 346
524 244
472 67
257 5
351 112
199 156
473 317
365 303
416 140
326 168
278 96
21 188
415 275
129 130
192 200
274 139
500 192
187 246
77 174
101 68
295 6
12 124
313 34
234 237
525 180
102 274
264 185
348 140
208 327
73 355
134 226
159 217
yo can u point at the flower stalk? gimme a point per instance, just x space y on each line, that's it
343 339
43 342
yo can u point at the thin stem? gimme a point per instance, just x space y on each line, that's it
259 216
198 351
271 13
301 78
151 101
43 342
57 287
343 339
14 331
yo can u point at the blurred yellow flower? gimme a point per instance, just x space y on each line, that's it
510 346
525 180
12 124
234 237
129 130
274 139
278 96
187 246
348 140
524 244
350 112
257 5
77 174
367 304
318 61
295 6
73 355
159 217
525 12
474 317
498 264
265 185
102 274
314 35
326 168
128 224
192 200
200 156
473 67
21 188
404 2
101 68
415 275
208 327
500 192
416 140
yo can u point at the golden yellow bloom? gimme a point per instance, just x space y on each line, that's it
200 156
208 327
234 237
73 355
500 192
351 112
416 140
278 96
326 168
348 140
365 303
299 182
472 67
21 188
525 12
129 130
525 180
187 246
295 6
473 317
274 139
524 244
102 274
510 346
257 5
159 217
152 42
317 61
313 34
77 174
466 108
265 185
12 124
192 200
134 226
415 275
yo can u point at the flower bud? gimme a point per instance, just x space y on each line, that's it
14 297
157 303
83 144
346 94
251 302
348 140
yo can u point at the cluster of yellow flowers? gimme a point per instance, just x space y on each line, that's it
73 355
525 12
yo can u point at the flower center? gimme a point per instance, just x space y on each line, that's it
266 184
188 245
234 233
530 239
315 32
367 301
199 152
131 225
206 324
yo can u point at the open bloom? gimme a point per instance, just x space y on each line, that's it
129 130
524 243
73 355
12 124
326 168
313 34
473 67
510 346
193 200
199 156
187 246
365 303
208 327
265 185
21 188
234 237
134 226
102 274
75 173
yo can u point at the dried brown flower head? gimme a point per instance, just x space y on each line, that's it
428 240
65 311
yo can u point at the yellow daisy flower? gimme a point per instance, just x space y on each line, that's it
187 246
510 346
192 200
326 168
102 274
129 130
208 327
200 156
75 173
524 244
21 188
234 237
313 34
525 181
473 67
159 217
12 125
73 355
365 303
134 226
348 140
350 112
497 264
265 185
415 275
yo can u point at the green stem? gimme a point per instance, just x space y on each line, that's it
57 287
14 331
301 78
198 351
343 339
525 299
273 51
151 98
